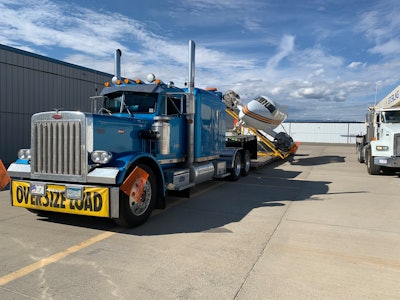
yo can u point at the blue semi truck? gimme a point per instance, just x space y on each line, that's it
146 140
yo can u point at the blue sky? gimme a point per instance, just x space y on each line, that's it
323 59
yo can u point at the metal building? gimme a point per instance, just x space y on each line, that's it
31 83
323 132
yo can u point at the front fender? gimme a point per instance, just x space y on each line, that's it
381 148
125 163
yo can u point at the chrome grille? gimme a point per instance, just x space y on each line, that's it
57 147
397 144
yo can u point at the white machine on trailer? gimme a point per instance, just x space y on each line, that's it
261 116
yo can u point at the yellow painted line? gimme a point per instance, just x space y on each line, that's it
53 258
60 255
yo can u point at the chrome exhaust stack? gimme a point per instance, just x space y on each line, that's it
117 66
190 108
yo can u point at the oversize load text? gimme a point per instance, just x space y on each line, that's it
94 202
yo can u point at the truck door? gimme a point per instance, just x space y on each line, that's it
175 108
379 129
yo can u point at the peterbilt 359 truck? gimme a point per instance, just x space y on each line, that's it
121 161
379 148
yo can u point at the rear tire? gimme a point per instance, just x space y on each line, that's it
237 167
246 163
131 213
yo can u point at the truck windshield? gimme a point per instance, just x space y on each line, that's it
391 116
133 102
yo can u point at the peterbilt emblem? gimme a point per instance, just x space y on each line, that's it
57 116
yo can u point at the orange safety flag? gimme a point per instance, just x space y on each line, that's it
134 184
4 178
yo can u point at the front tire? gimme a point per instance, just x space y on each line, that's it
132 213
360 156
372 168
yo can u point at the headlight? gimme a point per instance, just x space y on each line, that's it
382 148
24 154
101 157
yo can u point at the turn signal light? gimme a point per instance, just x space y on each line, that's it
382 148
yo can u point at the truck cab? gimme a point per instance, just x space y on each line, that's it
379 148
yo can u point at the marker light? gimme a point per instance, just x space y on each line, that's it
138 81
118 82
151 77
101 157
158 81
126 80
24 154
107 84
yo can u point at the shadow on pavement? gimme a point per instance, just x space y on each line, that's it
318 160
216 203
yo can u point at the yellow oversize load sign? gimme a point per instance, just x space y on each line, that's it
93 201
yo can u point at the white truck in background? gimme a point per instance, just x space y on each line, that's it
379 148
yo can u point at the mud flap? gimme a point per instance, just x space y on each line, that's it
4 178
134 184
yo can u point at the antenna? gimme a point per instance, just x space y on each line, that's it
376 89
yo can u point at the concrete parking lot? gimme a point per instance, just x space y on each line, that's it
315 226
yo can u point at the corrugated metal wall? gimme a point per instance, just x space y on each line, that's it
30 83
344 133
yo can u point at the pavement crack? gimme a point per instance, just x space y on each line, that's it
262 252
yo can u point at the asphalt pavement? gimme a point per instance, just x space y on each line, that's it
314 226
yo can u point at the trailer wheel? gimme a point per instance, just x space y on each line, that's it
246 163
237 167
133 214
372 168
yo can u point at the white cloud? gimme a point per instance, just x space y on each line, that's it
390 47
380 25
279 65
286 47
356 65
